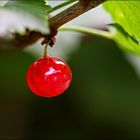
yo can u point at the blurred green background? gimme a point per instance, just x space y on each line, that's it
102 101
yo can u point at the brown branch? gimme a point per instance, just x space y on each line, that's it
30 37
21 41
72 12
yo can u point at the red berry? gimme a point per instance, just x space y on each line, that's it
49 77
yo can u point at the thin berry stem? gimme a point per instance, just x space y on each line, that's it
90 31
46 49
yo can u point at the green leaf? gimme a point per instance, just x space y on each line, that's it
125 40
30 14
126 23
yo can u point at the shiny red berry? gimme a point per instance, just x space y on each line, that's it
49 77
